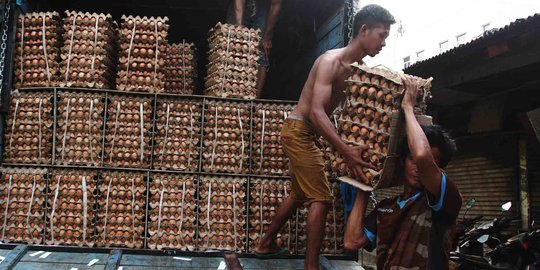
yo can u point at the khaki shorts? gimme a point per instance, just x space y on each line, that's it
309 182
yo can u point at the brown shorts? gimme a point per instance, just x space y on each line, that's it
309 182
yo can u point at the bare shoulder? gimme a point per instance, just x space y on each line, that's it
329 58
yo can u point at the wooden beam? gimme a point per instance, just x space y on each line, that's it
113 261
13 257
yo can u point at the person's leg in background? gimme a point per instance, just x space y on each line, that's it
316 222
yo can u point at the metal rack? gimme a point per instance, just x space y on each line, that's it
252 172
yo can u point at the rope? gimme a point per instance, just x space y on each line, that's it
66 129
31 201
85 207
133 208
39 127
166 134
13 124
141 109
70 48
54 207
190 135
208 212
242 137
95 44
262 140
261 205
160 207
182 212
45 51
234 213
129 50
22 50
107 209
184 64
90 130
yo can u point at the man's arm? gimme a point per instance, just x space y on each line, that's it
270 24
239 11
354 232
429 173
321 96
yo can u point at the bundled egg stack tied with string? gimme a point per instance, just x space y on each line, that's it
143 44
79 131
267 153
89 52
178 133
29 128
266 195
233 57
71 209
226 136
180 68
22 200
37 50
371 116
128 131
121 209
222 213
172 212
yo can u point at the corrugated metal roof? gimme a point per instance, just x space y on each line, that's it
488 35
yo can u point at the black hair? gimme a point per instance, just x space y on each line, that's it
437 137
371 15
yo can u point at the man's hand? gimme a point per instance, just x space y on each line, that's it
352 155
412 86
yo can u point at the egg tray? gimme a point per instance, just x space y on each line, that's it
371 116
178 133
121 209
172 212
79 132
267 152
83 64
72 203
128 131
233 61
222 213
180 68
29 128
227 130
142 72
37 55
22 198
266 195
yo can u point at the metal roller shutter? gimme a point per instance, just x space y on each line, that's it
533 167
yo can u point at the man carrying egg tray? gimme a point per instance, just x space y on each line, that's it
411 230
321 94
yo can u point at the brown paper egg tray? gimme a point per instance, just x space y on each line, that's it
180 68
265 197
67 222
172 225
89 52
371 116
143 48
222 214
35 64
226 137
79 132
334 230
27 139
233 57
23 210
121 209
267 153
177 137
128 132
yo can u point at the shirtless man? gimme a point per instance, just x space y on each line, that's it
322 93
